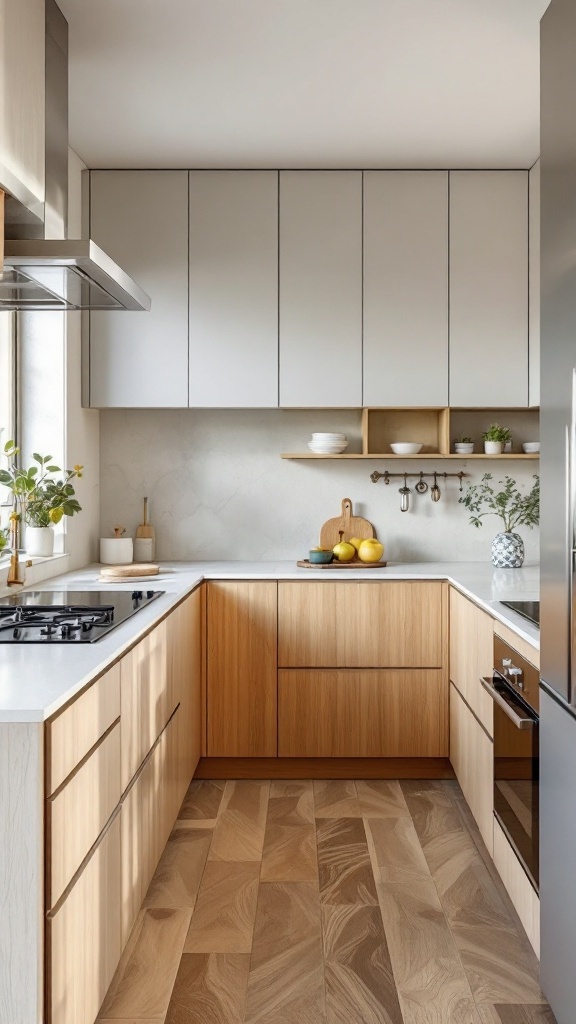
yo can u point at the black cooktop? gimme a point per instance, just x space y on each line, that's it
529 609
67 616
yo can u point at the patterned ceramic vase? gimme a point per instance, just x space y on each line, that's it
507 551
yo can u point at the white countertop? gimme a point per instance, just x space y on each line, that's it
35 681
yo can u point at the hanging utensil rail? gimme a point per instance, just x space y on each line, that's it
387 477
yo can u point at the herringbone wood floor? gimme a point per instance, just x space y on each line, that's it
327 902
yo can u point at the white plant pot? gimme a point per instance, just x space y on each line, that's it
493 447
39 541
464 447
116 550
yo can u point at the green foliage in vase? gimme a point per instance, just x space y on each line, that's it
496 433
512 506
42 498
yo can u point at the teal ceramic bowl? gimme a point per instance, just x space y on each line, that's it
320 557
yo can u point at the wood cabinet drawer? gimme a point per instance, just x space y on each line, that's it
343 713
360 625
472 757
78 812
84 937
147 699
75 730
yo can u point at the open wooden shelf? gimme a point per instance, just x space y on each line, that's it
511 456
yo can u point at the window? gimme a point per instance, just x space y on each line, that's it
8 394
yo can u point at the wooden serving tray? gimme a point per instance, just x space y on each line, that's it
305 563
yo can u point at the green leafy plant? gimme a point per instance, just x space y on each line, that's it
512 506
4 534
496 433
464 439
41 498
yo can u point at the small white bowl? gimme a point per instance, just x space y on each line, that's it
531 447
326 449
406 447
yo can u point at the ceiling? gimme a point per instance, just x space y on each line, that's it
304 83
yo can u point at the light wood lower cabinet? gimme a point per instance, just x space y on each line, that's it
242 669
471 655
83 935
360 625
472 757
147 698
363 713
519 889
184 640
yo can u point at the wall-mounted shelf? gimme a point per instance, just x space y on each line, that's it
436 429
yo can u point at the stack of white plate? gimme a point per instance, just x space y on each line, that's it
328 444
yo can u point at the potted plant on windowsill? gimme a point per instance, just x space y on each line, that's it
41 499
495 439
513 508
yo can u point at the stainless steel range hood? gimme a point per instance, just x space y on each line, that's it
52 272
65 274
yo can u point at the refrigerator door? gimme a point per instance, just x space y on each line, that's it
558 332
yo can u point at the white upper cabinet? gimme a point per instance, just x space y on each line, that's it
488 288
320 288
534 283
234 289
22 100
405 288
140 218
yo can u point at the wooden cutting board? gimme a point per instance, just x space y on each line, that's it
129 571
305 563
348 525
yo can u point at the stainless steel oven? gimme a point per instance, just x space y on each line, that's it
514 688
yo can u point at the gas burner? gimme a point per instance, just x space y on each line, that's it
57 617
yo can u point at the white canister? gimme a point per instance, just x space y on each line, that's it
39 541
143 549
116 550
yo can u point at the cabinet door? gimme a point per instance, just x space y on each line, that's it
184 636
471 655
234 289
140 360
534 285
22 106
146 698
242 669
83 937
360 625
320 288
405 288
336 713
489 288
472 757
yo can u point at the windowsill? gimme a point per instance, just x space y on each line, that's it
41 569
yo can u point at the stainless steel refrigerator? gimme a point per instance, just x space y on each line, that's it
558 526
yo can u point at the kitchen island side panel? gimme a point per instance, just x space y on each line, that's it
21 872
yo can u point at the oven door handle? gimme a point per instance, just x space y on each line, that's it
523 721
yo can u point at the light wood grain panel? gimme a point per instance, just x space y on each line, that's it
144 980
184 644
472 756
286 980
210 988
381 799
22 870
360 624
202 801
336 798
471 655
519 889
146 698
395 851
239 831
359 981
84 937
532 654
177 878
344 868
519 1013
347 713
78 812
289 853
223 918
432 985
242 669
74 731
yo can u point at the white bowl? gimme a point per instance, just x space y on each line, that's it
329 437
326 449
531 447
406 447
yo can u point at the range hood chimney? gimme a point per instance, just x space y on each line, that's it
43 269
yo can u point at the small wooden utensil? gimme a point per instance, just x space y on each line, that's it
346 525
146 529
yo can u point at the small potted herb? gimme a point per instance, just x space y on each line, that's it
464 445
495 439
514 509
40 498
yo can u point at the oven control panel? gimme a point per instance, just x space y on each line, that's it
517 671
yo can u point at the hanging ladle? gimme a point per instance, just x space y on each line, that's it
435 492
421 486
404 496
